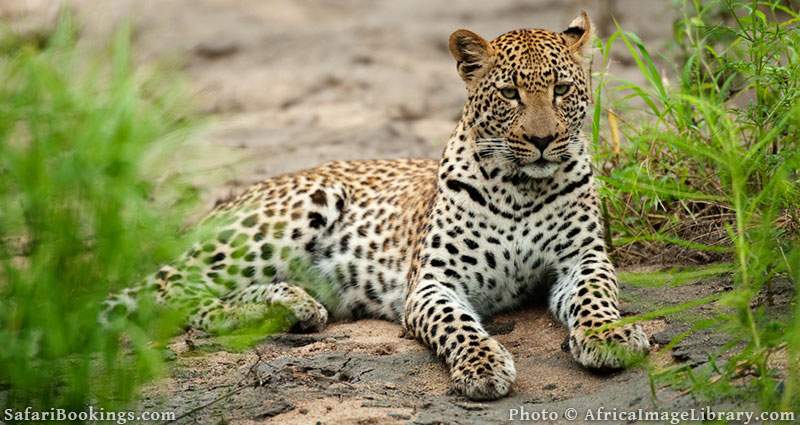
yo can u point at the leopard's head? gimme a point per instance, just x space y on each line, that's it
527 94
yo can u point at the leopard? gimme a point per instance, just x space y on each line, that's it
508 215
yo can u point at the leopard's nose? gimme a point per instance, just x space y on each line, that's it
541 143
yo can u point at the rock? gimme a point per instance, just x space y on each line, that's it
216 49
275 409
500 328
664 337
400 416
376 403
337 388
470 406
684 354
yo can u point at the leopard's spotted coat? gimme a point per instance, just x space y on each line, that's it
435 245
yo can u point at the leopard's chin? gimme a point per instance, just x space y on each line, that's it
539 169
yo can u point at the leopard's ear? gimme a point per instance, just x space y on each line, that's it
578 34
473 54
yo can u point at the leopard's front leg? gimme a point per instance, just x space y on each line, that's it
585 298
480 368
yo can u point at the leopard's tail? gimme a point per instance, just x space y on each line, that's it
129 301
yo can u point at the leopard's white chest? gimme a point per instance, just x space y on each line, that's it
515 263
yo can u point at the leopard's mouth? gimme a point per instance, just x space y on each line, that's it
541 162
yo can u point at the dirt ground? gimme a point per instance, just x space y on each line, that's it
289 84
364 373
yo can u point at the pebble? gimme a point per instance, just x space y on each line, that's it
401 416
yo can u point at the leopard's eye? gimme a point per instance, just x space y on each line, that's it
561 89
510 93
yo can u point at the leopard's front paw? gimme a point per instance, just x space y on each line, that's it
484 371
311 316
610 349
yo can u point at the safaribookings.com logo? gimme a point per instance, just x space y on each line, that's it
91 414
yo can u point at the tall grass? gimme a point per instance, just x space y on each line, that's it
705 158
78 141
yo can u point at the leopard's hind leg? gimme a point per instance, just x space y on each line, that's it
246 247
248 305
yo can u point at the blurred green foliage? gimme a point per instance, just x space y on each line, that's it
78 146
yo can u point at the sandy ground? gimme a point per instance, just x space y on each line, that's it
364 373
289 84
